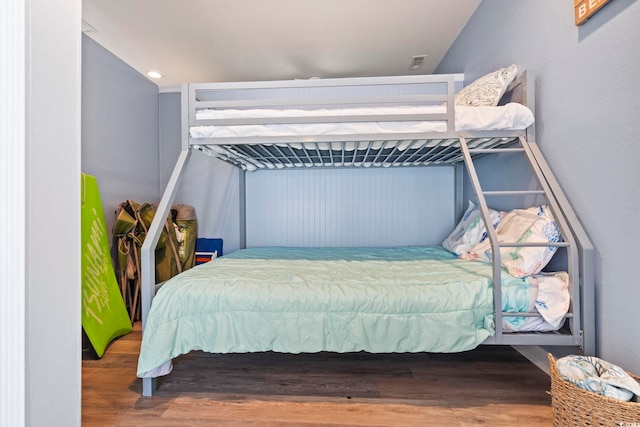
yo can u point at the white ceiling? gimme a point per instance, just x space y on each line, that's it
244 40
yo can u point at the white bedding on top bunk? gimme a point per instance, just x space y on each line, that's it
511 116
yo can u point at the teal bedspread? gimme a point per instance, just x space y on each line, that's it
293 300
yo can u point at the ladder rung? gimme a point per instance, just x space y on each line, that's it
496 150
521 314
513 193
528 314
532 244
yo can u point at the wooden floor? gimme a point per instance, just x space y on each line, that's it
493 386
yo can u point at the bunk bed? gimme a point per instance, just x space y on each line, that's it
346 299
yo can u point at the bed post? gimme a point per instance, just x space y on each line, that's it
242 184
148 262
147 253
522 91
530 101
459 206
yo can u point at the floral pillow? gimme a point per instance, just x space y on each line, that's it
531 225
488 89
470 230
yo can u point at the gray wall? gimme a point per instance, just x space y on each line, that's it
120 125
587 110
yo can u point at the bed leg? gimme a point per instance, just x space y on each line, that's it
149 386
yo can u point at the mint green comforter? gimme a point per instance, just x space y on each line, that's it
378 300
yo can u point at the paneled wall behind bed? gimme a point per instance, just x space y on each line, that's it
349 207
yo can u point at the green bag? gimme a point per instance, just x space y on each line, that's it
186 224
130 229
104 314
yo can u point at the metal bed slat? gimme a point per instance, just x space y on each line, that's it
388 157
295 154
320 159
306 153
404 152
366 155
377 156
448 150
343 160
284 157
408 151
245 149
425 156
416 152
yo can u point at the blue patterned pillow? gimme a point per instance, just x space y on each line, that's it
531 225
488 89
470 230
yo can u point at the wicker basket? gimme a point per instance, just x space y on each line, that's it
573 406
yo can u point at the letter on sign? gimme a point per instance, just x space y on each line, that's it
584 9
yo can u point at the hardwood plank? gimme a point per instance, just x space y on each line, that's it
305 413
504 415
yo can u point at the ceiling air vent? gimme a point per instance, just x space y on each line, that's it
416 62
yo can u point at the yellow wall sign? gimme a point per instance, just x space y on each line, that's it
584 9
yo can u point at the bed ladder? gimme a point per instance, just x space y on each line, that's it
579 252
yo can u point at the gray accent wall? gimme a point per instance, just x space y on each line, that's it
120 125
587 125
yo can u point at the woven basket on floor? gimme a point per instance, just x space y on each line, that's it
573 406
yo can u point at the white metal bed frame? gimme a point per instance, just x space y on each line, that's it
449 148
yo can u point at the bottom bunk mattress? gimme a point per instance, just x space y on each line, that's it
293 300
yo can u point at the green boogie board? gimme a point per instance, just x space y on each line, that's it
104 315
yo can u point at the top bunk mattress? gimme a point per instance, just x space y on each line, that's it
511 116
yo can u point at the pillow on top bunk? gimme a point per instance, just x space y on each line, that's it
488 89
535 224
470 230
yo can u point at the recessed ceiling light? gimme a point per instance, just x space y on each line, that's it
154 75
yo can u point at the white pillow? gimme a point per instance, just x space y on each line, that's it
535 224
470 230
488 89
